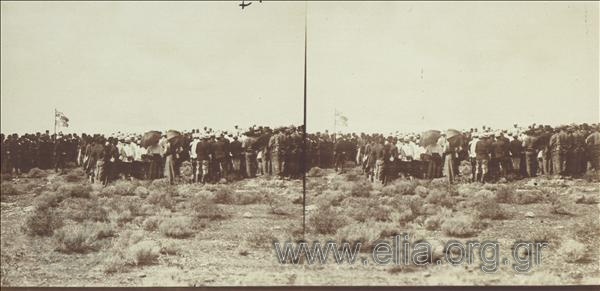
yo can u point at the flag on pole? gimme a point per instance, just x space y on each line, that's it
341 119
61 119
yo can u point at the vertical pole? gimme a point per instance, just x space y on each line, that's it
304 131
54 140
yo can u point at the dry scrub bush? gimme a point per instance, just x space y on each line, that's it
124 217
224 195
573 251
161 198
485 204
76 175
170 248
505 194
562 205
246 198
329 198
176 227
151 223
361 189
262 239
43 221
8 189
82 238
326 220
399 187
440 197
460 225
48 199
37 173
84 209
143 253
75 190
315 172
435 221
367 233
204 208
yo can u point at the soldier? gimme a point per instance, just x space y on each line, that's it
516 154
500 149
203 154
277 151
250 153
60 153
235 150
529 141
220 151
593 148
558 148
482 156
339 152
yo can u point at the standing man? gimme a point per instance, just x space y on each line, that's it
482 156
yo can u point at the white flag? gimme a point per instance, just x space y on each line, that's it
61 119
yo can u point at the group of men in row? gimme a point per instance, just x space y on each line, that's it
213 157
491 155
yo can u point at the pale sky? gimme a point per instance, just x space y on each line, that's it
136 66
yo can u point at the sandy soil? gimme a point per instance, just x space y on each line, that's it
237 250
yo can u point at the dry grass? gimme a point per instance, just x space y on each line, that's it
573 251
176 227
326 220
75 190
161 198
151 223
75 175
460 225
43 221
8 189
224 195
204 208
82 238
315 172
399 187
37 173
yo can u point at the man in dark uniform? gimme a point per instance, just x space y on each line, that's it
203 154
235 149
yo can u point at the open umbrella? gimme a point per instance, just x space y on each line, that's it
430 137
150 138
454 137
174 136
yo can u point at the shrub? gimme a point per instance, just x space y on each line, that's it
204 208
171 248
400 187
224 195
440 197
75 190
160 198
367 233
177 227
143 253
37 173
435 221
361 189
245 198
527 196
461 225
328 198
421 191
7 189
124 217
573 251
48 200
326 220
261 239
141 191
79 210
505 194
486 205
77 239
151 223
315 172
75 175
104 230
43 221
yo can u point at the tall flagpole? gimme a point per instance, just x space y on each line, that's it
304 133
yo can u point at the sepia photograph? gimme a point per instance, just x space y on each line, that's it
299 143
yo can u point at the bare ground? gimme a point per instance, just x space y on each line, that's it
237 249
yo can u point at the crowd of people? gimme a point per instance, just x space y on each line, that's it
208 157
